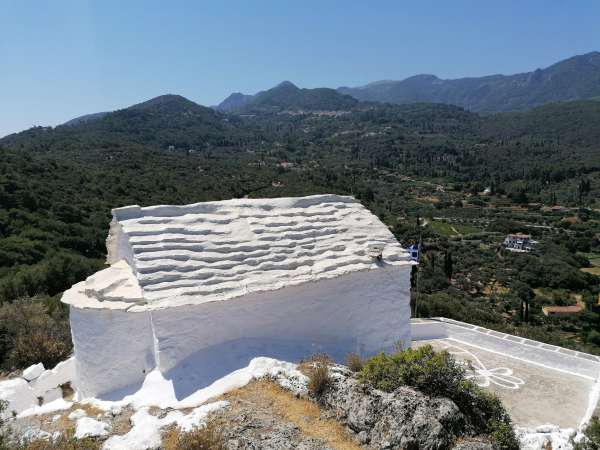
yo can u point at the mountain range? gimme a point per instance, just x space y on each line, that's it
576 78
164 121
288 96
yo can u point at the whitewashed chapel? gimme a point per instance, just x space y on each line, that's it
198 290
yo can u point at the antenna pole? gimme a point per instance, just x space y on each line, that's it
418 276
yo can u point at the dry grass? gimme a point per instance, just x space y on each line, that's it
318 380
90 410
311 361
495 288
592 270
429 199
203 438
306 415
354 362
62 443
316 368
65 424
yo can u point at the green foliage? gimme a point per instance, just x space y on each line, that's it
504 435
592 436
438 374
5 443
57 187
33 330
434 373
287 96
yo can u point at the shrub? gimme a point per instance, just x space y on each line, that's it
62 443
4 430
317 368
208 437
504 435
318 380
438 374
354 362
434 373
29 334
591 440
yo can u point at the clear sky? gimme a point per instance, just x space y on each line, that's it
61 59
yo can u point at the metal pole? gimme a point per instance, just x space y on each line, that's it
418 276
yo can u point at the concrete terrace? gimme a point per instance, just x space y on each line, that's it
538 383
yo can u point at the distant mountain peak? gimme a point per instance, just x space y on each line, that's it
286 96
287 84
163 100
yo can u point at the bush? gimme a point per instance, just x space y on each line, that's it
62 443
434 373
354 362
504 435
593 337
30 333
591 440
4 430
319 379
208 437
438 374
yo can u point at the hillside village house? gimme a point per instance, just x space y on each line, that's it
519 242
197 291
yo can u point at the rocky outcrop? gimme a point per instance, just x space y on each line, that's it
280 435
474 444
404 419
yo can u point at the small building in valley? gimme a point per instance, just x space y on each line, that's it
561 311
519 242
197 291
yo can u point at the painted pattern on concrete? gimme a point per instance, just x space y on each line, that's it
481 375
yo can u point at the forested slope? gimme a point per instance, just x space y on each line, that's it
407 163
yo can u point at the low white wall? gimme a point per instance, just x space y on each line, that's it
193 345
430 329
42 387
114 350
363 312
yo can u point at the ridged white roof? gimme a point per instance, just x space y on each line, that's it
221 250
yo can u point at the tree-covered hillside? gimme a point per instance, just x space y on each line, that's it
163 122
288 97
460 180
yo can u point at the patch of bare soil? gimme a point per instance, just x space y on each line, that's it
262 415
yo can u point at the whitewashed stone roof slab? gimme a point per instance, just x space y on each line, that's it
226 249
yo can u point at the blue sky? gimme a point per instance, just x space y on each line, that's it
61 59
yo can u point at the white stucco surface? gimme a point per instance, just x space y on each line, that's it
193 345
18 396
199 290
530 377
63 373
113 350
214 251
34 371
364 312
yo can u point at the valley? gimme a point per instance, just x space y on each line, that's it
455 180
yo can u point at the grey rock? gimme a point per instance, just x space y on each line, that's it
474 444
404 419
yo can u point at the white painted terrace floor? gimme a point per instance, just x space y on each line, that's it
538 383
